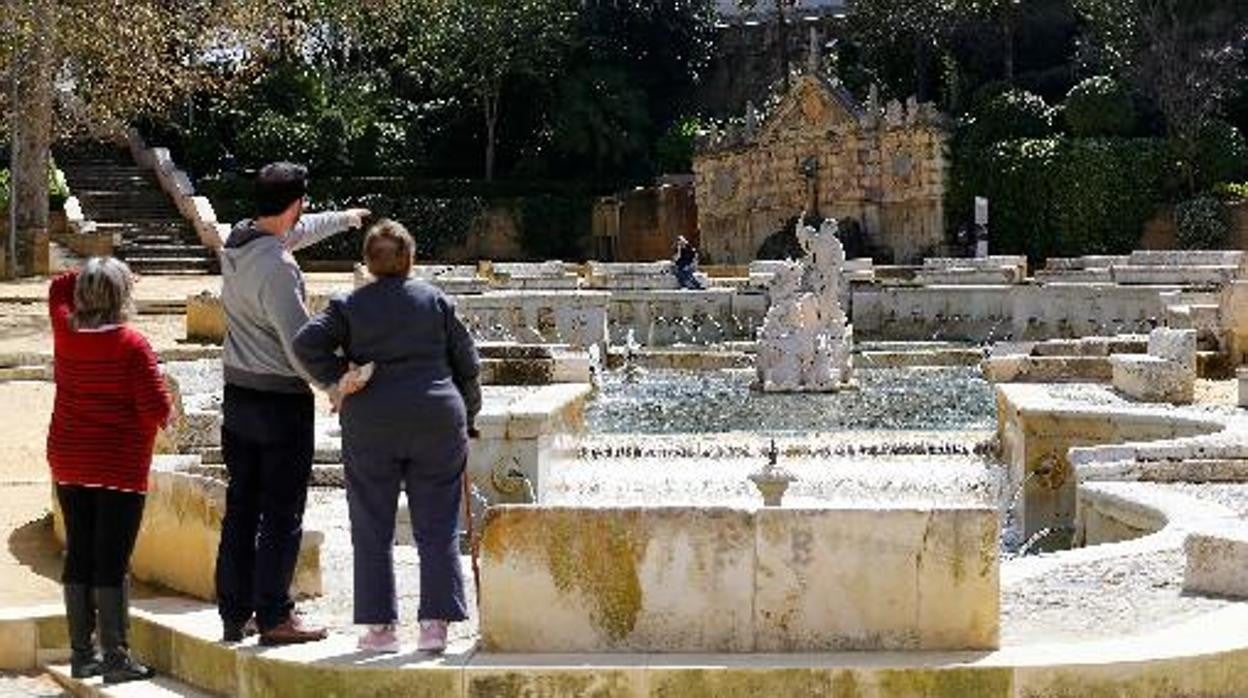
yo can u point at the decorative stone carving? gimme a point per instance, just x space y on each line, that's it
854 145
806 341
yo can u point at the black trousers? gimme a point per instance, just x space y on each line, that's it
101 526
267 440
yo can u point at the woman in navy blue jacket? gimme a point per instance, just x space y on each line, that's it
406 427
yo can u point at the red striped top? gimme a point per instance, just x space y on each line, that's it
110 401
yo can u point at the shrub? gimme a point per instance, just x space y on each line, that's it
58 188
1063 196
1202 223
1100 106
1232 191
1221 155
673 153
1009 114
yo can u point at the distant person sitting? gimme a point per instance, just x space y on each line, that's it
686 261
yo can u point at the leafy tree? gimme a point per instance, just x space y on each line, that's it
476 47
110 62
1186 54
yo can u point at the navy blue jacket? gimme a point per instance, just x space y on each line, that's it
425 390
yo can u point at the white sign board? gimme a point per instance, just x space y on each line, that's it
981 211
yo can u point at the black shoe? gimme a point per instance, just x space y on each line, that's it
120 667
113 606
85 666
84 661
233 633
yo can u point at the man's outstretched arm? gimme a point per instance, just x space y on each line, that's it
315 227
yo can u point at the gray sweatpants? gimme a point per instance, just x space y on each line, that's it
374 476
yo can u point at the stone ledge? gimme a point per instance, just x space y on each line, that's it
1186 659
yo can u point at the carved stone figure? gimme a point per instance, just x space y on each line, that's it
806 341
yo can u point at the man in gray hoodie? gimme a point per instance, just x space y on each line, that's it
267 434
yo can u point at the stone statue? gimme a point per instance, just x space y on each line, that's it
806 342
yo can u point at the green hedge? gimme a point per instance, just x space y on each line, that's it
1064 196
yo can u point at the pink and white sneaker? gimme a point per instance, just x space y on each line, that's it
432 636
380 638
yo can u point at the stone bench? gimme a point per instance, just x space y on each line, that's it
715 579
1166 374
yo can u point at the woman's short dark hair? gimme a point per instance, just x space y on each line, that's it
389 250
102 294
278 185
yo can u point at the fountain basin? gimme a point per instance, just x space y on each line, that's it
672 402
724 579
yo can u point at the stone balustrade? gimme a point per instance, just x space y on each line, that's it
706 579
197 210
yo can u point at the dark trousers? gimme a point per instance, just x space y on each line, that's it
101 526
267 440
374 478
686 277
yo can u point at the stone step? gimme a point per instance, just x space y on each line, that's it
164 250
159 687
170 263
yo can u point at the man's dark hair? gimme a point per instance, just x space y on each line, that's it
278 185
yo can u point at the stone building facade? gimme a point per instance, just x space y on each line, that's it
819 150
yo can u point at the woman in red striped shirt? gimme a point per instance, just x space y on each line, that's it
110 402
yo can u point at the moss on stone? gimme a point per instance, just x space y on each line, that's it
590 684
274 679
946 683
595 557
599 558
53 633
742 683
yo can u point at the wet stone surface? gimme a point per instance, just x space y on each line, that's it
668 401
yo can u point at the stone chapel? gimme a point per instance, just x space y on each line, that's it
881 168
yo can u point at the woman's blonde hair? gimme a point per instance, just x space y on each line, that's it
102 294
389 250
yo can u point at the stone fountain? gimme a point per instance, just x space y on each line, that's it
806 341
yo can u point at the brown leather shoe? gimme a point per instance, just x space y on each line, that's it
292 631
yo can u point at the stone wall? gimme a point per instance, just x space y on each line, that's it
642 225
705 579
177 544
885 168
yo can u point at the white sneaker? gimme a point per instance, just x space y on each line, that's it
380 638
432 636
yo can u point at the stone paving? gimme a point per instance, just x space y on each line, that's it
24 686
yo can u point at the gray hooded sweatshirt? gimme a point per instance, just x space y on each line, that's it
265 301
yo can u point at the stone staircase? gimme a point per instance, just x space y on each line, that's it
125 200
